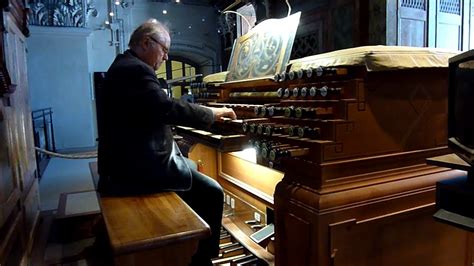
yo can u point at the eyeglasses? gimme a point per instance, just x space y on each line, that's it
165 50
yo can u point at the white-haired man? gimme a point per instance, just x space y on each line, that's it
137 153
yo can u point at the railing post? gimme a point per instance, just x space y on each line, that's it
52 129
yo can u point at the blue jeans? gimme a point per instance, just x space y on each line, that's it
206 198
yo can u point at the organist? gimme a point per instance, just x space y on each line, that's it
137 153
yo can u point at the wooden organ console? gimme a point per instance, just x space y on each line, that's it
341 141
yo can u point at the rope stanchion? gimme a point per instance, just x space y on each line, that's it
82 155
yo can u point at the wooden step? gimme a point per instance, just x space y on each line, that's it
78 215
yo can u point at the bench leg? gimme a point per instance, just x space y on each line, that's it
178 254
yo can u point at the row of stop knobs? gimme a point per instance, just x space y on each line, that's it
313 91
289 111
208 95
275 151
304 73
272 129
197 85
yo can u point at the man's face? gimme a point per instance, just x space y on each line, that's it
157 49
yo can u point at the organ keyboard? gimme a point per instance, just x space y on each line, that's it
350 131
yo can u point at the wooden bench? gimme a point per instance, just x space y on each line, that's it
156 229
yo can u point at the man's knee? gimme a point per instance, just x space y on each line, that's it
208 186
220 194
216 190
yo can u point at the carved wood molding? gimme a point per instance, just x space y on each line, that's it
309 44
419 181
16 9
6 86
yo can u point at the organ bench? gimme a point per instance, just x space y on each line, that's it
154 229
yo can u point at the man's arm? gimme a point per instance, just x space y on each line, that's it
219 113
175 112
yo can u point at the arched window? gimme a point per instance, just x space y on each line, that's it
176 67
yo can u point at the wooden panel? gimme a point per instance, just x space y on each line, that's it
390 224
178 254
146 222
334 24
343 33
466 18
9 205
11 240
424 105
254 178
31 212
348 24
17 11
382 26
300 250
406 238
245 196
6 176
17 158
206 159
310 37
311 42
412 27
469 14
23 148
392 22
449 28
8 184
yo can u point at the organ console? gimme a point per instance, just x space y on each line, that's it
340 140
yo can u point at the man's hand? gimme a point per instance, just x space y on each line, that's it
219 113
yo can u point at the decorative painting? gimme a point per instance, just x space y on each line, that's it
264 51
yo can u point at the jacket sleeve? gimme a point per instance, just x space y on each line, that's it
152 98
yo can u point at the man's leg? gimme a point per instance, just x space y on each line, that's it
206 199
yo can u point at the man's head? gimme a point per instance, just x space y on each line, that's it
151 42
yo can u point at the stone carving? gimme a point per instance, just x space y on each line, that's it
69 13
39 14
61 13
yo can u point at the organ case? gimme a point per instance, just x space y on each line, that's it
350 130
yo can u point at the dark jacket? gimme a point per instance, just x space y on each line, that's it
135 139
